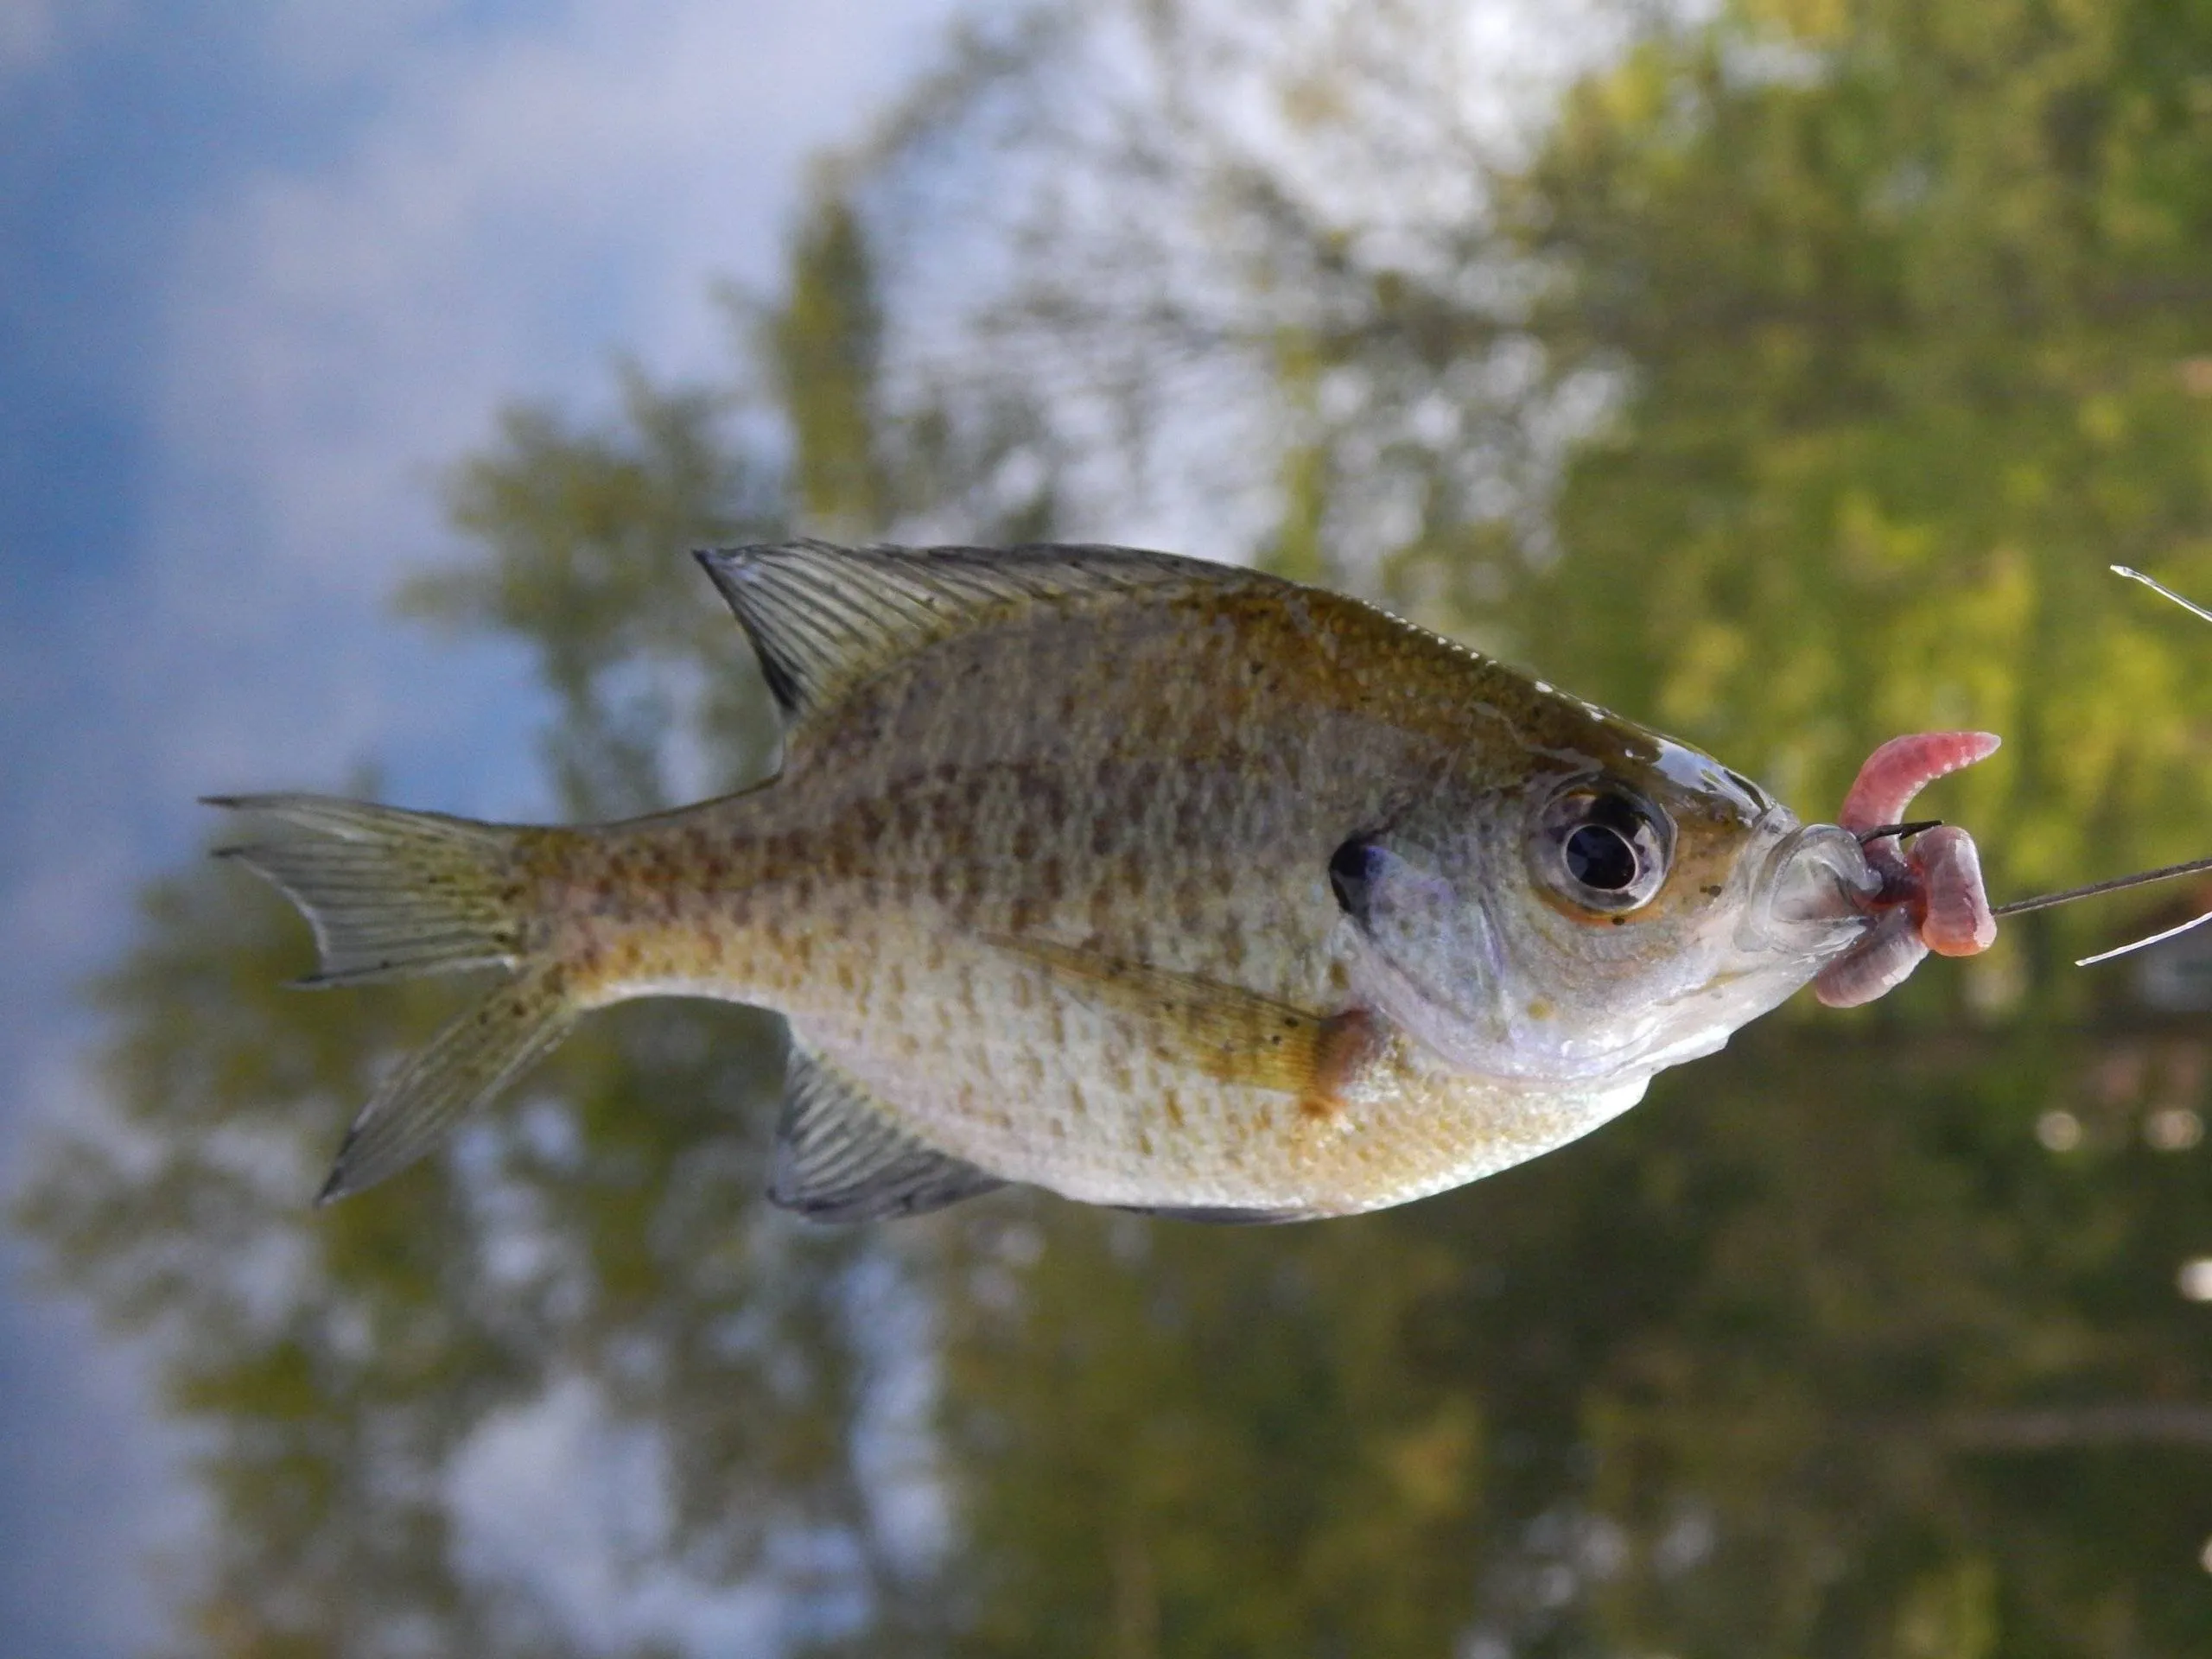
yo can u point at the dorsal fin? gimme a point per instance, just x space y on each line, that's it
840 1156
824 619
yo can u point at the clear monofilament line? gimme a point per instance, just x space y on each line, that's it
2043 901
2160 588
2116 884
2019 907
2155 938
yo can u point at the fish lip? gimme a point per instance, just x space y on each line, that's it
1812 890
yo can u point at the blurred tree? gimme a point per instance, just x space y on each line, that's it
824 350
1904 302
1784 378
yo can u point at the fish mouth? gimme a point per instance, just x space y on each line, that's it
1813 892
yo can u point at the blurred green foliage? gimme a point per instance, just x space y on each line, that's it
1910 300
1790 387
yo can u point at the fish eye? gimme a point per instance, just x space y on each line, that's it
1601 848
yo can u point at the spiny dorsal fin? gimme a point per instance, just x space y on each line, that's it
824 619
840 1157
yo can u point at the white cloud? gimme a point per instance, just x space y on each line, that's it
555 1498
523 207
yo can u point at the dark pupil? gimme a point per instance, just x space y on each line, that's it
1598 855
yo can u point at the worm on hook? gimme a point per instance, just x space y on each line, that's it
1932 896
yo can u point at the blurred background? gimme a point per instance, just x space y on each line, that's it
1783 373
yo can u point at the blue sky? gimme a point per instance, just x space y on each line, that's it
265 268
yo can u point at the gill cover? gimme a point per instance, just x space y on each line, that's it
1428 904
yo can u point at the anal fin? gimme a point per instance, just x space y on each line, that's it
839 1155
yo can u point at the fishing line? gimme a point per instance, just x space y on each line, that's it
2156 587
2020 906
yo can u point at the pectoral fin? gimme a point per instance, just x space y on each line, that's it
1223 1032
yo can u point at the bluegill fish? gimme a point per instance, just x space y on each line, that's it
1157 883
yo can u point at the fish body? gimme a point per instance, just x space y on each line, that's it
1156 883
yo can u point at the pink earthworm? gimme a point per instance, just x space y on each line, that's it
1932 896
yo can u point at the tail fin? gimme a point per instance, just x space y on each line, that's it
392 894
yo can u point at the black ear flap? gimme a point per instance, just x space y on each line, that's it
1353 869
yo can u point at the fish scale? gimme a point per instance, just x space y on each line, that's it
1156 883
